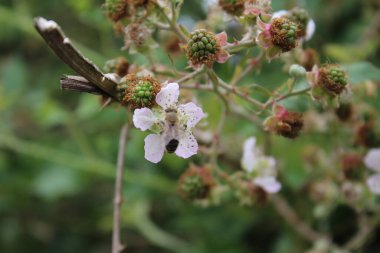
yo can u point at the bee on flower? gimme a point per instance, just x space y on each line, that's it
171 124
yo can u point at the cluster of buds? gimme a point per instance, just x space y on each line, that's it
204 48
330 80
284 123
138 92
195 183
278 36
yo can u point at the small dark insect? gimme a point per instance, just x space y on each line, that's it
171 147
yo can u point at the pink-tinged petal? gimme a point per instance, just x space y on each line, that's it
264 40
262 26
154 148
222 38
280 13
168 96
187 146
192 114
281 112
249 158
222 56
269 184
310 29
372 159
143 118
252 11
373 183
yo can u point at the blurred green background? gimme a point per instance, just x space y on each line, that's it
58 149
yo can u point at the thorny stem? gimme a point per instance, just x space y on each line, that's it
118 197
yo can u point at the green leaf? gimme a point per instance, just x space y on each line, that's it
361 72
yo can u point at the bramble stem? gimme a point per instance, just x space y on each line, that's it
62 47
118 199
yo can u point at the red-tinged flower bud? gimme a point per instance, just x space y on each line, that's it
352 166
344 112
284 123
195 183
366 136
116 9
138 92
233 7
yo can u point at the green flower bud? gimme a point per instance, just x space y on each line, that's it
284 33
138 92
195 183
332 79
296 70
202 48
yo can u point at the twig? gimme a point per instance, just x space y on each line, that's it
292 218
191 75
81 84
282 97
61 45
118 200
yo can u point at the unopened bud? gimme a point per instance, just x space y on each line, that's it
296 71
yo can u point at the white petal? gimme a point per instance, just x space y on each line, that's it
280 13
154 148
310 29
373 183
372 159
192 113
143 118
269 184
187 146
249 154
168 96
